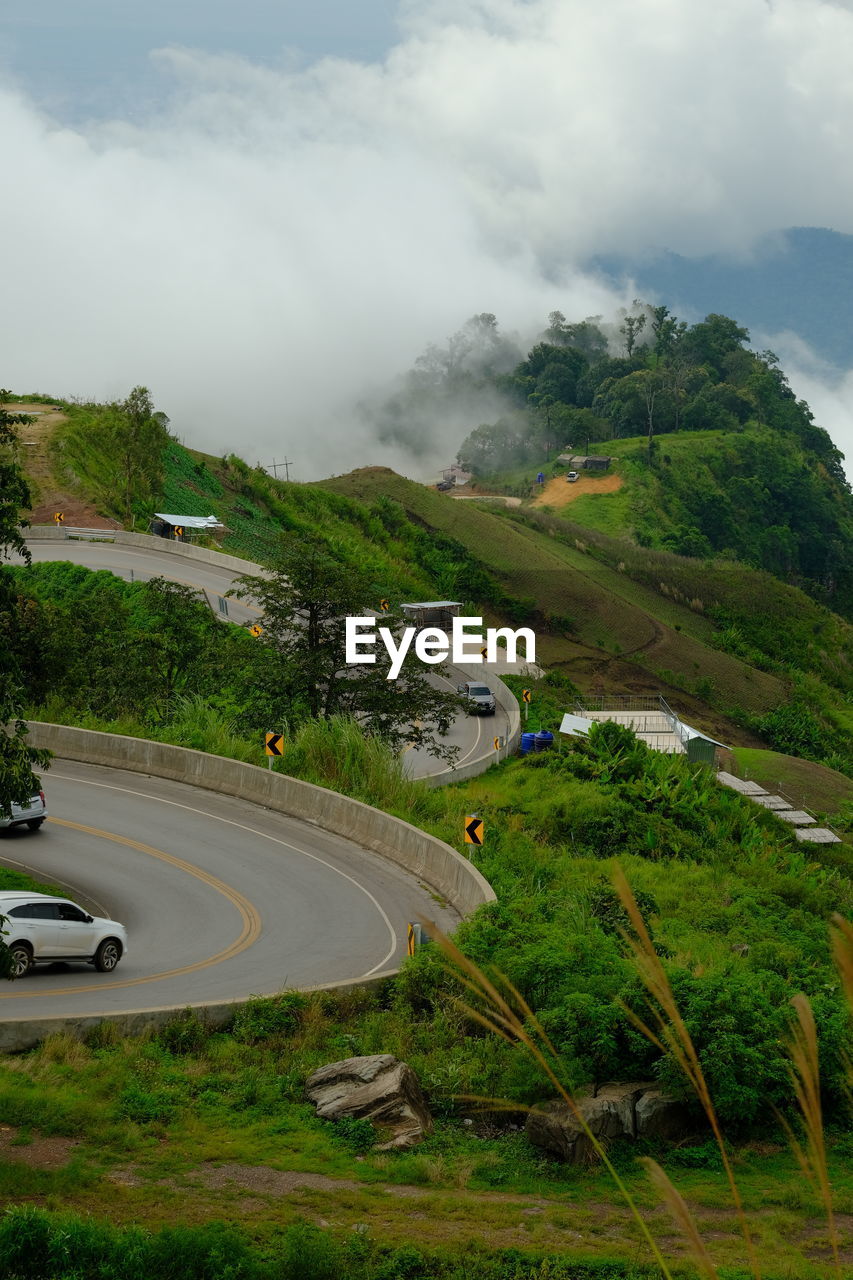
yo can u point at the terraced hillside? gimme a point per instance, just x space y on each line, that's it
755 496
623 619
612 616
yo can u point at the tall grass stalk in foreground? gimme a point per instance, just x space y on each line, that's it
811 1156
516 1023
510 1017
671 1037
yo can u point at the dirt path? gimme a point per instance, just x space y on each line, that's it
48 492
429 1214
559 492
487 497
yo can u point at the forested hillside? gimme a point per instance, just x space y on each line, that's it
729 462
610 615
766 488
736 908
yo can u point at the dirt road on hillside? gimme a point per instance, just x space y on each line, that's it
49 494
559 492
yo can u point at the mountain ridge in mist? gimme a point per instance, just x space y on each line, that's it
798 280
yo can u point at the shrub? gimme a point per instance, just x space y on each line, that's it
353 1133
145 1106
263 1017
185 1033
738 1031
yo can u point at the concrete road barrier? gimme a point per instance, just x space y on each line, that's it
168 546
432 861
429 859
19 1034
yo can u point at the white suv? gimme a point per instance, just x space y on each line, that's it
39 929
31 815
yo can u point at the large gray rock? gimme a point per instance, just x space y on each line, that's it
660 1116
637 1109
378 1088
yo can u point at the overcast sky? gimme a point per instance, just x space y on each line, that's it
263 210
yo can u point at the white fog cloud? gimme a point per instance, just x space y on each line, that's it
277 241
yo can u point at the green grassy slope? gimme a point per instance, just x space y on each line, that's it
805 783
754 495
630 620
611 615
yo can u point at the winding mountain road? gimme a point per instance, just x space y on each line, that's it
473 736
221 899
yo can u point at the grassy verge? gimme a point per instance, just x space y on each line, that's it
172 1127
12 880
202 1128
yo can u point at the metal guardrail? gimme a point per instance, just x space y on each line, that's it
674 723
619 702
89 535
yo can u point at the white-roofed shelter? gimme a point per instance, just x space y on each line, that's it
171 525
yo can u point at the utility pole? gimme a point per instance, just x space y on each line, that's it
287 464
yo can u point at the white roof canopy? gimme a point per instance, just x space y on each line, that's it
190 522
433 604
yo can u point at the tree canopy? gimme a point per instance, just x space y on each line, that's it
305 600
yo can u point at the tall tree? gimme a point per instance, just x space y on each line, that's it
17 759
305 600
631 328
14 490
136 438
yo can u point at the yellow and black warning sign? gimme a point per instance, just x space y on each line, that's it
473 829
384 604
410 940
256 630
498 743
484 653
526 695
272 744
179 530
59 517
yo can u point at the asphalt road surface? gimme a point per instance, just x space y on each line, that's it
221 899
139 564
472 735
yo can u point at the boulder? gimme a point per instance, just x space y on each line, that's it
553 1127
660 1116
378 1088
636 1109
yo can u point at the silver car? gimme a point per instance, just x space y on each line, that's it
30 815
479 699
41 929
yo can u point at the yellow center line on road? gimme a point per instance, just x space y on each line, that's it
250 917
264 835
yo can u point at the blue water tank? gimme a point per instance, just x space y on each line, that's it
528 743
543 740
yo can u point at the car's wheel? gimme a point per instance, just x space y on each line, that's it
35 823
22 959
108 955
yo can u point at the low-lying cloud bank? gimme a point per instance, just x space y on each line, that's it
275 244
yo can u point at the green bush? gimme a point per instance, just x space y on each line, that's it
353 1133
145 1106
265 1016
187 1032
738 1031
